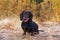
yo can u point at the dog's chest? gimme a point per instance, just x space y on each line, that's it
28 26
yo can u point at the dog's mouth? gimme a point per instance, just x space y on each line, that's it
26 20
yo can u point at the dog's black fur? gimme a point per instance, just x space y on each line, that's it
29 26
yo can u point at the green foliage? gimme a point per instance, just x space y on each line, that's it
38 1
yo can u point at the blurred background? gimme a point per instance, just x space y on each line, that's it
46 13
43 10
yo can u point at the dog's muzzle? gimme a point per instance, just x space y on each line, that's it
25 19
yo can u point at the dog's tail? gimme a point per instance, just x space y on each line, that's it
41 30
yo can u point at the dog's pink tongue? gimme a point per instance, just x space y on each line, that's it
26 20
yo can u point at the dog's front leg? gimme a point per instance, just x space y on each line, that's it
32 34
24 33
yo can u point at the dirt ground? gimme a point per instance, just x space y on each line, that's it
10 29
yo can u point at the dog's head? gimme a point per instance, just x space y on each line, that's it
26 16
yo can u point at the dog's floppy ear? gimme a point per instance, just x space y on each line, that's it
21 16
31 15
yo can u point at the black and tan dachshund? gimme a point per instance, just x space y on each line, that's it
27 24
